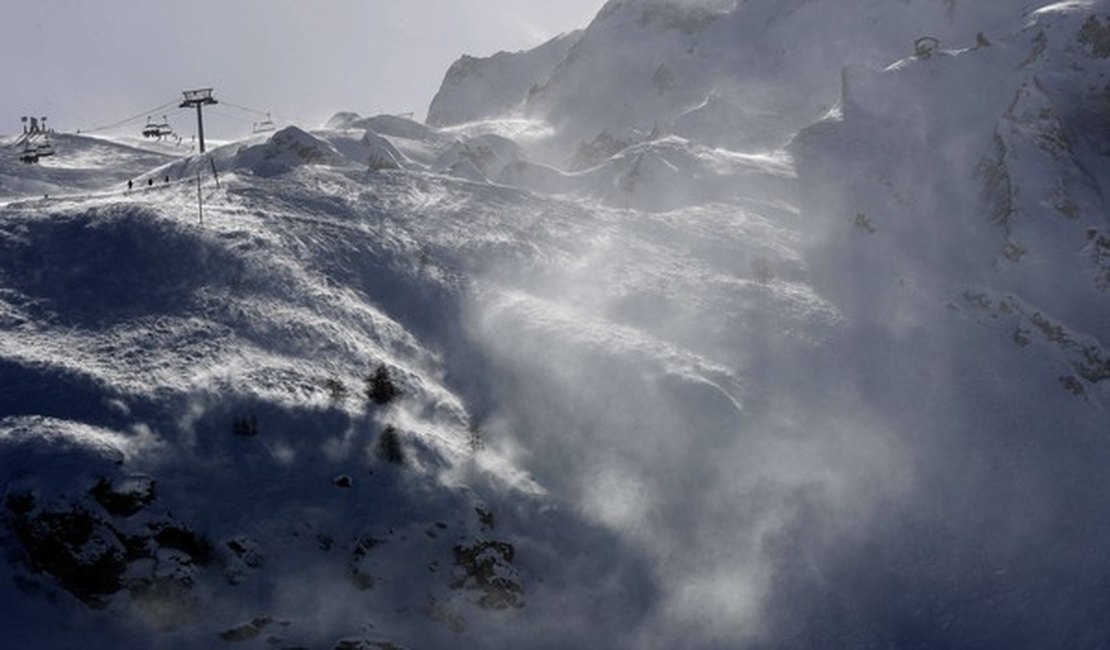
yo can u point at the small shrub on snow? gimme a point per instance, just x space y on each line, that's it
389 446
761 270
475 439
245 427
337 391
380 388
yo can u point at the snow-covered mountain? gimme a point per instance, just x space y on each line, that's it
769 66
717 324
475 88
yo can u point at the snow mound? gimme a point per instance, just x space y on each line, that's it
366 147
287 149
661 175
480 158
263 155
669 173
387 125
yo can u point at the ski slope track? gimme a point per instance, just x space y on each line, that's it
715 324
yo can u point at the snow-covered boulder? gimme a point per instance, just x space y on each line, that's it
397 126
365 147
263 155
288 148
483 157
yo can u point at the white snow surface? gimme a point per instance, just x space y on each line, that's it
745 328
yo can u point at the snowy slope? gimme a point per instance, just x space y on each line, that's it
695 392
158 337
90 163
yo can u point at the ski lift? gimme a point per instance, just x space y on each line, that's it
157 130
30 154
151 129
265 126
925 47
44 149
164 128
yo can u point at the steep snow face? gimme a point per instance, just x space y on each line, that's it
495 86
767 67
1010 184
958 211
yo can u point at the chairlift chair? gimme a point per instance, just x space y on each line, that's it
925 47
164 128
151 130
30 154
265 125
44 149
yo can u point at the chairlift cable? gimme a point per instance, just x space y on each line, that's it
268 114
133 118
228 116
242 108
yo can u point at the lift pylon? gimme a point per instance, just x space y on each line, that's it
198 98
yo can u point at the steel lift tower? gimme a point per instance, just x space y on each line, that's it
199 98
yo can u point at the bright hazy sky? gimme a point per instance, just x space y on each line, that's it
86 63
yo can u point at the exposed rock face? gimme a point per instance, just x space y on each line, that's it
93 550
1095 35
486 566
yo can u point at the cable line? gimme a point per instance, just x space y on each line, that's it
267 114
244 108
133 118
229 116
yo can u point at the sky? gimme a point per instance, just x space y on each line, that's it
89 63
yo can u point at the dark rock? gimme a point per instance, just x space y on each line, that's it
486 566
124 498
72 545
182 538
